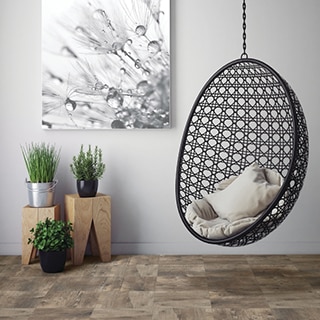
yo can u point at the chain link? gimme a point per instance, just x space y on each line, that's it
244 27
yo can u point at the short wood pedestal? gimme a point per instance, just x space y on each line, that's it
90 217
30 217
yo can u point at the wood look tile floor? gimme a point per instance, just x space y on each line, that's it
165 287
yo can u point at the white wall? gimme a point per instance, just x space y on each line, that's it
205 34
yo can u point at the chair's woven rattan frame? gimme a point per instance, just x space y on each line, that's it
245 113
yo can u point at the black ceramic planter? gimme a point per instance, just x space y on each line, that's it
52 261
87 188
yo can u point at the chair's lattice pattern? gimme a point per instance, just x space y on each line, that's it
245 113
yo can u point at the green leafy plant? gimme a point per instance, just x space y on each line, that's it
88 165
41 161
52 235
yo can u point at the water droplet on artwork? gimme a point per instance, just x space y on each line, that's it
140 30
117 45
70 104
154 47
99 14
143 87
117 124
54 78
137 64
114 98
99 86
82 31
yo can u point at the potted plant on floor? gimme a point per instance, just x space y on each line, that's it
52 238
88 167
41 161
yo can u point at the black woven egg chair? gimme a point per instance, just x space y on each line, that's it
245 113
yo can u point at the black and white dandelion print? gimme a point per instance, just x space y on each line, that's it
106 64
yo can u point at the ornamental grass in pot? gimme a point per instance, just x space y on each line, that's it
87 168
41 162
52 238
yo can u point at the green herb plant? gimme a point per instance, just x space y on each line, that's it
41 161
88 165
52 235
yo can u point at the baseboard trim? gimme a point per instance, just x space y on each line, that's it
188 248
203 248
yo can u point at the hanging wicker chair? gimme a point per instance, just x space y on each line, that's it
246 113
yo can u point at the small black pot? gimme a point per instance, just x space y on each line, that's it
52 261
87 188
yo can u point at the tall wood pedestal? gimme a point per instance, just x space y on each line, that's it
91 219
30 217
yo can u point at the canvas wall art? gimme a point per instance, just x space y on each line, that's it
105 64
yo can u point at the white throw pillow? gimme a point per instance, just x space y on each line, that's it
246 196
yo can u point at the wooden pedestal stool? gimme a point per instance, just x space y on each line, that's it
91 219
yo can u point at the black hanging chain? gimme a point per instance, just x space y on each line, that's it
244 27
